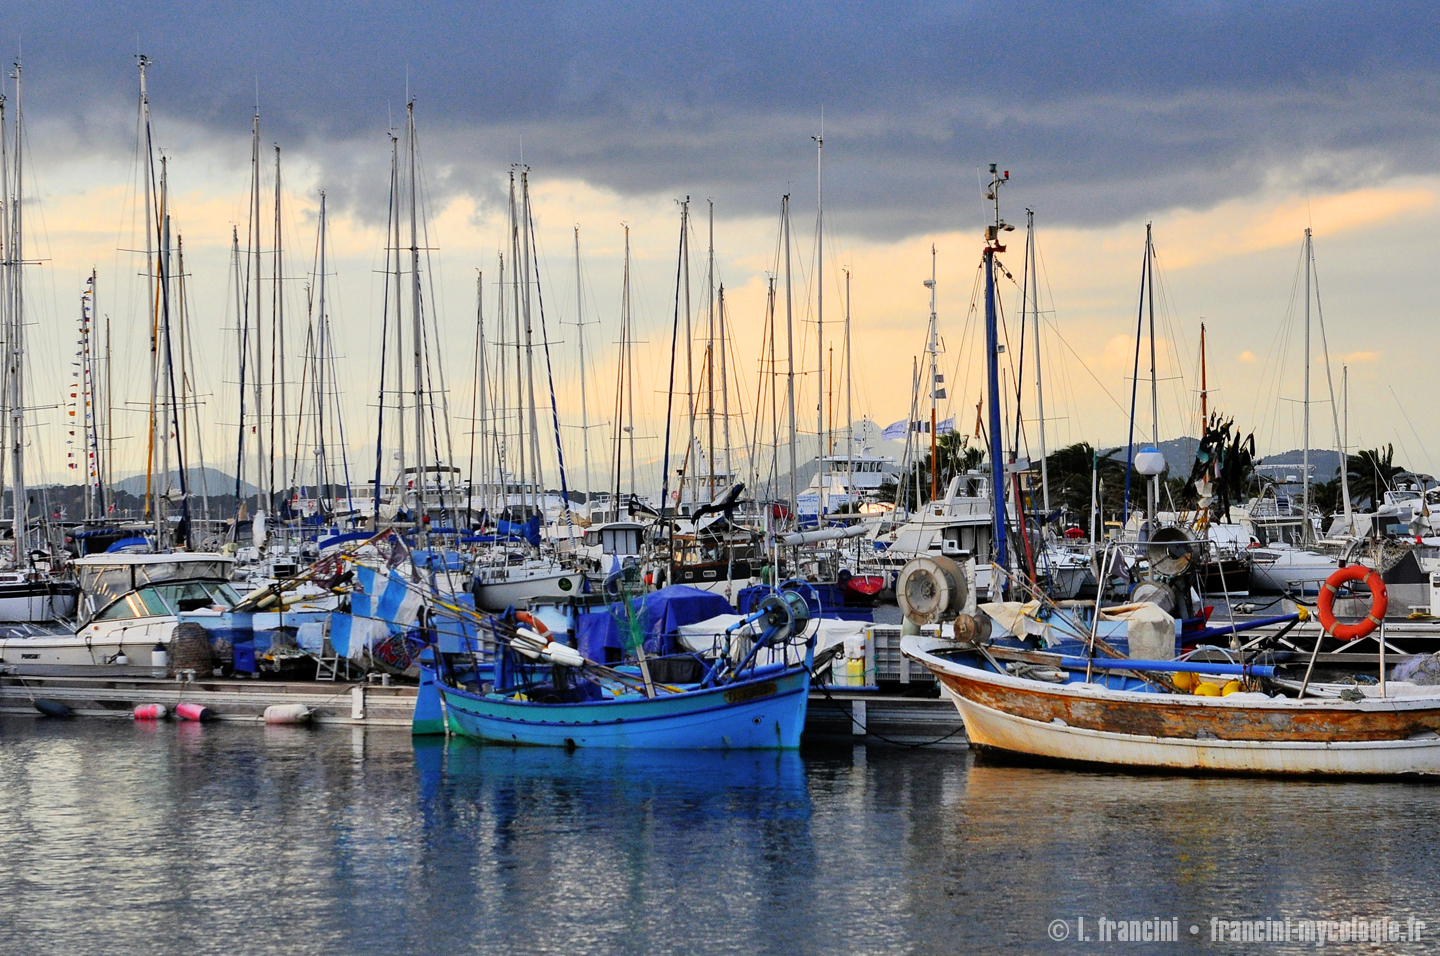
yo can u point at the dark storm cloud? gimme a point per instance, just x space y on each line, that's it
1102 112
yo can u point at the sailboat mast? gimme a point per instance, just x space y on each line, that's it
1154 495
322 475
1204 384
167 397
932 346
475 384
525 489
240 352
630 371
584 404
689 359
8 270
263 480
173 394
531 409
1034 297
16 371
725 393
849 409
992 355
277 343
820 442
422 530
502 390
1305 449
710 359
789 350
82 400
772 480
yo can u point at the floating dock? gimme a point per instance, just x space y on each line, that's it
835 713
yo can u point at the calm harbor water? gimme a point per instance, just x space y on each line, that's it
186 839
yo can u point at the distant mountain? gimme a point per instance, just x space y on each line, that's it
215 480
1324 464
1179 453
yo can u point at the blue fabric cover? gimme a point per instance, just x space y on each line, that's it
831 605
662 612
436 560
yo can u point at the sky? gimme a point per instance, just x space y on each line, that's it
1230 128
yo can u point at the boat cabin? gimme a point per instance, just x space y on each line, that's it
120 586
620 538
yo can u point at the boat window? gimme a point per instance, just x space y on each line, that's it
137 604
105 583
181 571
192 595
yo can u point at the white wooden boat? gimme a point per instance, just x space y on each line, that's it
1068 719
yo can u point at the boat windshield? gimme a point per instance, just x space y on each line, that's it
164 600
105 583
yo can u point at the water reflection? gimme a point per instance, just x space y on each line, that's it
181 838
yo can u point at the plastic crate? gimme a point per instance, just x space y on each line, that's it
882 645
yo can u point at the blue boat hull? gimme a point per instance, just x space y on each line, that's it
764 712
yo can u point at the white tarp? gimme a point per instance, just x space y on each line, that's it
703 637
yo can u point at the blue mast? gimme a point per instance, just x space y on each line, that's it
992 364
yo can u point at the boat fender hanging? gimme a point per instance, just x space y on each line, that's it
560 654
1378 602
151 712
287 714
526 645
51 708
194 712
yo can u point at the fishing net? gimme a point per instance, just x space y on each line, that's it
1419 670
628 609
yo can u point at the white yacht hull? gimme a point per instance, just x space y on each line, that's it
1290 570
494 592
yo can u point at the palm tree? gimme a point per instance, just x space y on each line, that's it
956 457
1372 473
1071 470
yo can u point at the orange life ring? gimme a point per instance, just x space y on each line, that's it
536 625
1378 602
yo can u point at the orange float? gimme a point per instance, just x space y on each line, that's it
1378 602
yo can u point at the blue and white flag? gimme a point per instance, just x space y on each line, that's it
895 431
380 606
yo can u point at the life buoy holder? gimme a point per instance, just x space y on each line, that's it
1378 602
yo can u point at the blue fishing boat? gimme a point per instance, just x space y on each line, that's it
512 684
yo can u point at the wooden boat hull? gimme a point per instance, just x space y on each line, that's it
993 729
767 712
1090 724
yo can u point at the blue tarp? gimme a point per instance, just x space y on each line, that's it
435 560
530 530
831 603
661 611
